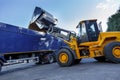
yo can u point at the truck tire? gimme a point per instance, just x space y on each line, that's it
0 67
64 58
50 58
112 52
1 64
39 61
100 59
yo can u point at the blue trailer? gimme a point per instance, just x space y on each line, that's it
17 43
40 42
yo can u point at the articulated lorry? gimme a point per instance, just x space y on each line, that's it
18 44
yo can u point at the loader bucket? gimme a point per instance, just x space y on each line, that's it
41 20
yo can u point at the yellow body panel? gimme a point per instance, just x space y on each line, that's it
95 48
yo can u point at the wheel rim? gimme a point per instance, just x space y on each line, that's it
63 58
116 51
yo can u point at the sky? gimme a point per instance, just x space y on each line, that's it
68 12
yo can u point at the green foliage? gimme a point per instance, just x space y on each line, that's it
114 22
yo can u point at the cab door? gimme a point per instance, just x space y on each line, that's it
92 30
88 31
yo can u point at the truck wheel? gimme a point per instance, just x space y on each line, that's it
0 67
112 52
50 58
64 58
39 61
100 59
77 61
1 64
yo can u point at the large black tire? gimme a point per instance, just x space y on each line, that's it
1 64
112 52
50 58
0 67
64 58
100 59
39 61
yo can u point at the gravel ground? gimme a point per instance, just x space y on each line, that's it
88 69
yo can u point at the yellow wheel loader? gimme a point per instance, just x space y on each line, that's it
90 43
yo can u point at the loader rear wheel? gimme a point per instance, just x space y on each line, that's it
64 58
112 51
100 59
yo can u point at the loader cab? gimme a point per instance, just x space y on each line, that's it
88 30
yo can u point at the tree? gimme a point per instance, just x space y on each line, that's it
114 22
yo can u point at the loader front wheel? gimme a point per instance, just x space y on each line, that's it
64 58
112 51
